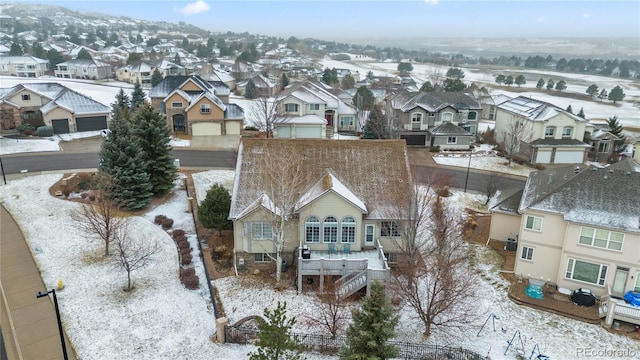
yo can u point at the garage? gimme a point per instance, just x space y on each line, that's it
544 157
283 132
415 140
206 129
91 123
308 132
569 157
232 127
60 126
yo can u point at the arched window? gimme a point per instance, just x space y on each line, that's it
567 131
348 230
330 229
312 229
447 117
550 131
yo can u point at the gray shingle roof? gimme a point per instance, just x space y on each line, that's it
434 101
448 129
233 111
170 83
76 103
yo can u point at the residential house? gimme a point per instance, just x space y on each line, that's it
83 69
263 86
343 222
23 66
551 135
243 71
576 227
197 107
51 104
602 143
445 119
167 68
139 71
311 98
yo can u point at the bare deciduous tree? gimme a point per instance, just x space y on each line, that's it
132 254
266 114
515 132
331 312
102 219
435 76
492 185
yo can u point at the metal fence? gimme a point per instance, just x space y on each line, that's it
331 345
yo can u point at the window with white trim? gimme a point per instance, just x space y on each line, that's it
587 272
416 118
314 106
527 253
261 257
567 131
261 231
348 230
26 97
330 229
637 286
346 121
312 229
533 223
604 146
447 117
452 140
549 131
177 104
601 238
389 228
291 107
472 115
391 257
205 108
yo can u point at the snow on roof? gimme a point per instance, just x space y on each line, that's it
76 103
533 109
330 183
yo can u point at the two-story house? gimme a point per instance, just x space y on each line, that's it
83 69
310 110
445 119
197 107
23 66
51 104
576 227
551 135
137 72
342 221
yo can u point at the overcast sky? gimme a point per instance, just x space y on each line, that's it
335 20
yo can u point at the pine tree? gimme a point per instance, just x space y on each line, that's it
364 99
550 84
616 94
520 80
427 87
152 134
603 94
561 85
569 109
615 128
137 96
156 77
581 113
213 213
274 337
373 324
284 81
250 89
540 83
500 79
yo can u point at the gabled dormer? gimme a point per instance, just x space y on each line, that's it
330 184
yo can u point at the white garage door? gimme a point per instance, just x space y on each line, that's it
544 157
569 157
284 132
308 132
205 129
233 128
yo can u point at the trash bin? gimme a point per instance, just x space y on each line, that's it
512 244
284 266
306 253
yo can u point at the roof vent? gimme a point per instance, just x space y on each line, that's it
577 169
611 171
594 169
628 173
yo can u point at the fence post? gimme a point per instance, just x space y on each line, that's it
221 324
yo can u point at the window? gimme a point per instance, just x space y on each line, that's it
452 140
416 118
601 238
533 223
312 229
567 131
389 228
549 131
330 229
527 253
637 286
348 230
262 257
472 115
346 121
205 108
26 97
314 107
447 117
392 257
176 104
604 146
261 231
587 272
291 107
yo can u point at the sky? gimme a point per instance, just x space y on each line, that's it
335 20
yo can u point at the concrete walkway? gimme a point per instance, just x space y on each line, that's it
29 325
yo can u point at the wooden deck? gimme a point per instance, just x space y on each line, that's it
615 309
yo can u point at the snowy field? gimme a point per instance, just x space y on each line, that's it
160 319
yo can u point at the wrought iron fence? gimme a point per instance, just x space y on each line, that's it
331 345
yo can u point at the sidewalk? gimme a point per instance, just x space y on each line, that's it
29 325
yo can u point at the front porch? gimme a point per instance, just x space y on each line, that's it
356 269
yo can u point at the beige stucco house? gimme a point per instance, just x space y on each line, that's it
576 227
24 66
342 222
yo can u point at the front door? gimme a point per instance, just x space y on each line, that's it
179 123
369 233
620 281
329 117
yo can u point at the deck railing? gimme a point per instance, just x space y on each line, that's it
613 309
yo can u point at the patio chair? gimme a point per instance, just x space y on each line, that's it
346 248
332 248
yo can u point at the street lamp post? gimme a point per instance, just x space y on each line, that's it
468 167
2 167
55 303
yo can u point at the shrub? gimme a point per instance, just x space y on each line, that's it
167 223
45 131
251 128
178 233
26 129
434 149
183 244
185 272
540 167
186 259
92 197
489 136
180 238
185 251
66 190
191 282
443 192
159 219
83 195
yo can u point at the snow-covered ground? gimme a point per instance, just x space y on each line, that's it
483 158
161 319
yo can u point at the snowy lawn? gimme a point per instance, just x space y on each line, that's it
484 158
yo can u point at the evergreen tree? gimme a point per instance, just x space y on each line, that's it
152 134
373 324
592 90
616 94
156 77
561 85
84 54
326 76
38 51
453 85
274 337
603 94
405 67
569 109
581 113
176 59
615 128
363 99
520 80
348 82
455 73
250 89
213 213
54 57
16 50
427 87
284 81
133 57
500 79
550 84
137 96
509 80
540 83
